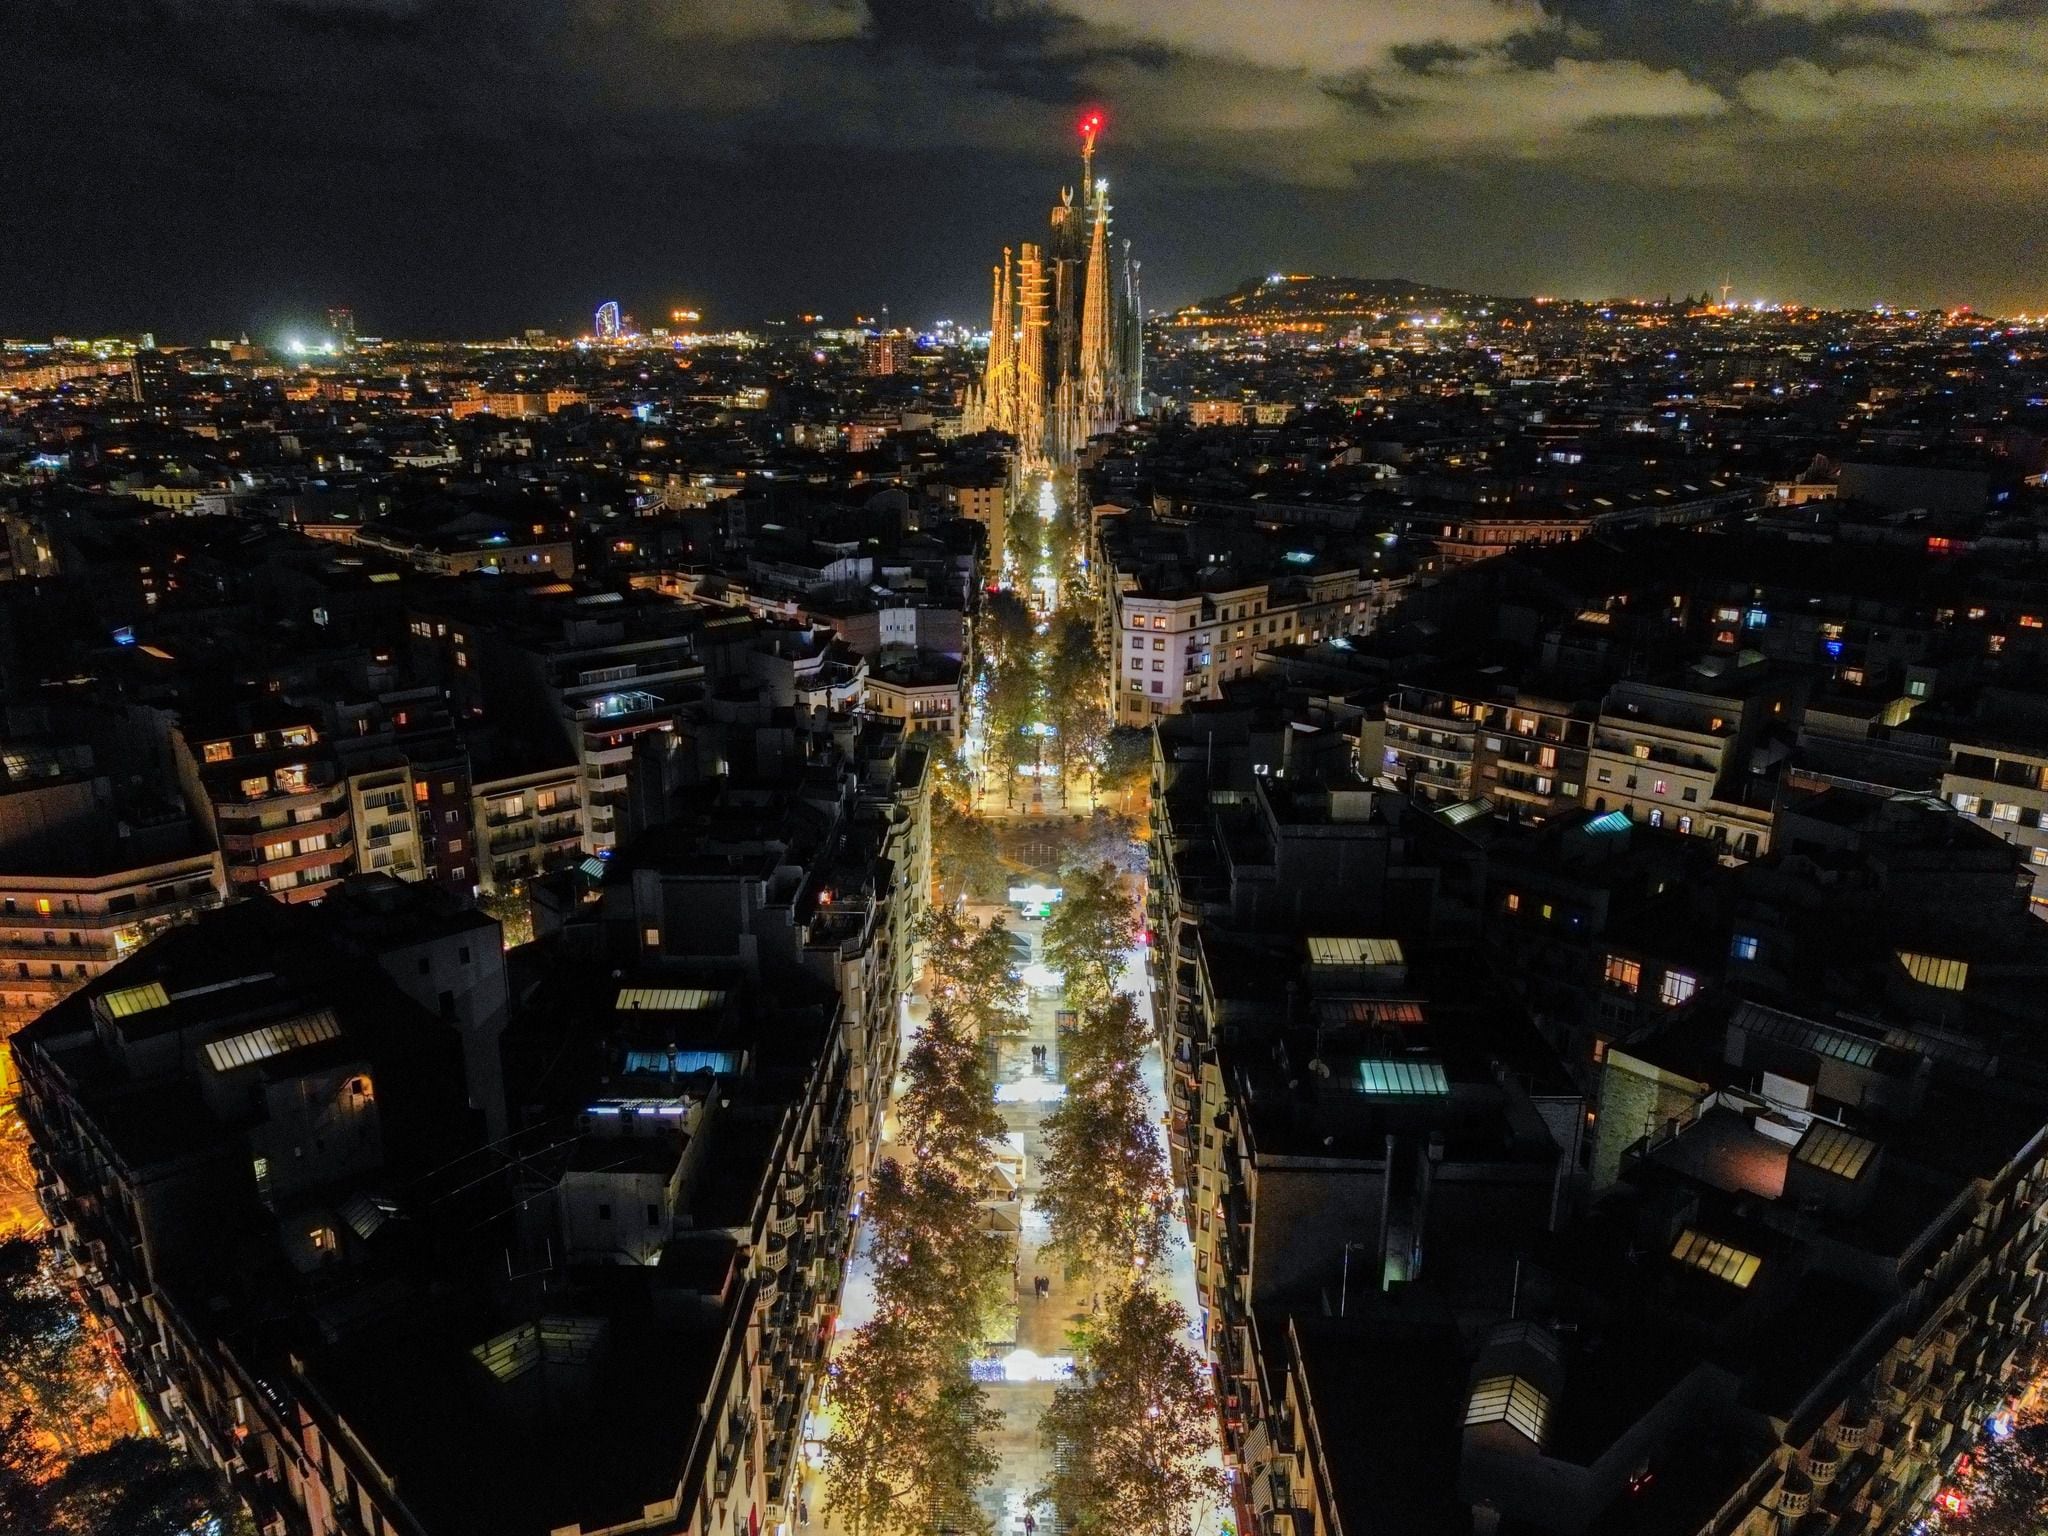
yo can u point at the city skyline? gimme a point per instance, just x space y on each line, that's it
444 176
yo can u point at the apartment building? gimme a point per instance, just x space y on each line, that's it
922 692
1680 754
1827 1299
1174 644
1998 773
272 797
1450 740
597 670
528 821
620 1329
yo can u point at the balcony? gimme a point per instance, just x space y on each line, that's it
1795 1494
1823 1461
1450 752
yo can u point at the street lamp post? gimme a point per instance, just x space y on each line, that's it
1344 1286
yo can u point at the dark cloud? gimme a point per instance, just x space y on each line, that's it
1426 58
1716 42
200 165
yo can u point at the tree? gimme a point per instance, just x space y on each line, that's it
907 1453
1126 761
1132 1432
1005 628
27 1466
1074 690
138 1488
1106 1034
1091 929
49 1361
965 858
947 1109
973 973
1102 1174
2008 1487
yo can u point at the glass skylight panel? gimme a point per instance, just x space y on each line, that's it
130 1001
1511 1400
668 999
1403 1078
1716 1258
1934 971
1339 951
1834 1150
261 1044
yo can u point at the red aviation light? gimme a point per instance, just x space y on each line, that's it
1091 124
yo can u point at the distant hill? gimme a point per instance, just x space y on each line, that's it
1309 299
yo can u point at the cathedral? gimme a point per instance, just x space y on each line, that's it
1066 341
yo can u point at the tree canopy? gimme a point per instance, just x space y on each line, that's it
1131 1433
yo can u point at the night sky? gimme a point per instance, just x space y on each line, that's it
453 167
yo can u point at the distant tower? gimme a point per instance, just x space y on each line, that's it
341 325
1727 288
1031 339
1099 393
608 320
1064 332
1131 340
1002 351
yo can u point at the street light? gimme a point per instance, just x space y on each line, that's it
1344 1287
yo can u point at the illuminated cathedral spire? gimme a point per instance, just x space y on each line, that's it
1061 330
1098 353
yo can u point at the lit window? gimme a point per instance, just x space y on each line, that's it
1514 901
2003 811
218 751
1623 973
653 937
1660 787
43 905
1677 987
419 792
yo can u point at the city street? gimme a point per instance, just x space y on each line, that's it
1031 1347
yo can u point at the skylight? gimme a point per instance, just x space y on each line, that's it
130 1001
1403 1078
1834 1150
1354 952
1716 1258
271 1040
667 999
1511 1400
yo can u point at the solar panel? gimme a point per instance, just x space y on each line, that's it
1716 1258
1834 1150
1403 1078
271 1040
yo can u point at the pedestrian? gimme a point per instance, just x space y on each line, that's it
1030 1523
803 1513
